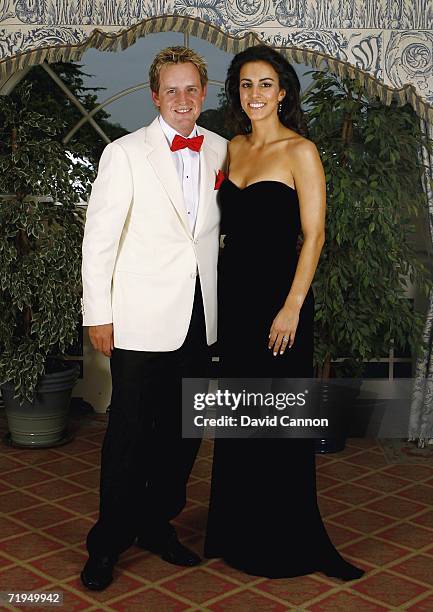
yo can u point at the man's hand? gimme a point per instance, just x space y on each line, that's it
101 337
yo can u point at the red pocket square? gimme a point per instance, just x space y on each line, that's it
219 179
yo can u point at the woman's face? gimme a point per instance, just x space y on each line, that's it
259 90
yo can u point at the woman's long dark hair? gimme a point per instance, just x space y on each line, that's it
291 114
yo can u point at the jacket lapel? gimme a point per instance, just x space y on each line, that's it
208 164
162 163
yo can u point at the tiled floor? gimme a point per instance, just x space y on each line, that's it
379 515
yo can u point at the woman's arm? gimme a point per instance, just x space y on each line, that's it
310 184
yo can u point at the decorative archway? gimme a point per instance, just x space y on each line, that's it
389 48
387 45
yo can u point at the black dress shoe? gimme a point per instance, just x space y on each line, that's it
97 574
171 550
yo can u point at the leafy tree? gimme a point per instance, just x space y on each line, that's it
40 239
370 154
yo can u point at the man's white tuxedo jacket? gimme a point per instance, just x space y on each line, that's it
140 259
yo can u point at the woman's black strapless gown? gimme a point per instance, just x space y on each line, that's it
263 513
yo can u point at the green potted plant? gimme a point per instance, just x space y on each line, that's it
370 154
41 228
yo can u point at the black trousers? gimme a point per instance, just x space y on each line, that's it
145 462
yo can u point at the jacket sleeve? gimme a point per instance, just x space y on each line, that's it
108 207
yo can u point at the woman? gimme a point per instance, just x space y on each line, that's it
263 515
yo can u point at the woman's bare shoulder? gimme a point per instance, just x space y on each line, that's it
237 141
301 146
302 152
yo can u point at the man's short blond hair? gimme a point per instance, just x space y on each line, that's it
176 55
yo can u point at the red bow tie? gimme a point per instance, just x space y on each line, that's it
179 142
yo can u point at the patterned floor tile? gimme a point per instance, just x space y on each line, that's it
28 546
363 520
389 589
364 443
72 602
149 599
9 528
96 437
368 459
374 551
344 471
18 578
348 451
4 561
25 476
8 463
60 565
407 534
42 516
419 567
184 533
411 472
78 446
362 493
395 506
71 532
202 468
93 458
88 479
55 489
323 482
420 493
382 482
148 567
329 507
198 586
16 500
339 535
85 503
425 519
198 491
194 519
345 602
196 543
223 569
325 459
424 605
351 493
65 466
247 601
35 456
121 585
294 591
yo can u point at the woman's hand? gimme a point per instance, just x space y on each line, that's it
283 329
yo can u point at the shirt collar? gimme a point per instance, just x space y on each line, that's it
170 132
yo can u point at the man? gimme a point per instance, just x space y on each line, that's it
149 299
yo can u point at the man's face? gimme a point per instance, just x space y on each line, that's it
180 96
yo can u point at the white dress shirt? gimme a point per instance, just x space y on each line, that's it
187 164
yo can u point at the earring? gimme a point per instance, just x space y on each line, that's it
280 107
